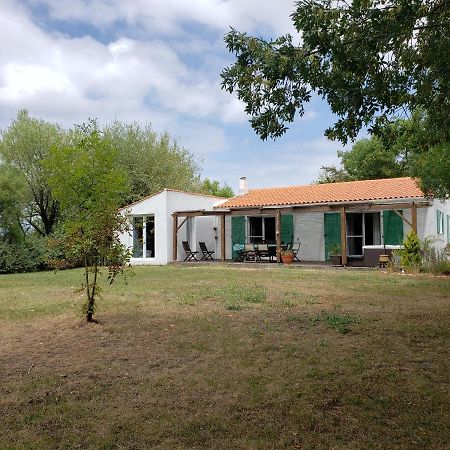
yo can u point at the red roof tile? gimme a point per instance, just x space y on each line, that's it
350 191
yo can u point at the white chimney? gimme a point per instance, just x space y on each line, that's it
243 186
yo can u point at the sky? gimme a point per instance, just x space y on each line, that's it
156 62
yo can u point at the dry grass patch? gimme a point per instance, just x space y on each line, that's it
214 357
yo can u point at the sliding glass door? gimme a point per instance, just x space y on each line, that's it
144 237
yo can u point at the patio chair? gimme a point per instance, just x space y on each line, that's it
240 253
190 255
262 251
295 249
207 254
250 253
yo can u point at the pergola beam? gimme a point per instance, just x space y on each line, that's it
343 236
174 236
278 234
403 217
182 223
222 238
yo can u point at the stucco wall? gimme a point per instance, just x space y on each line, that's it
162 206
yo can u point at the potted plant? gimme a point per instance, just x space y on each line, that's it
287 256
335 255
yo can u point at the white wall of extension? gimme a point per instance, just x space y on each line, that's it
161 206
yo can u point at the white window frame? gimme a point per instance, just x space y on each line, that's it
144 235
263 237
440 222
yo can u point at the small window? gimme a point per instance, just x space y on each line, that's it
440 222
448 229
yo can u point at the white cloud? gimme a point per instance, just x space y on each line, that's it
168 17
278 164
160 69
121 77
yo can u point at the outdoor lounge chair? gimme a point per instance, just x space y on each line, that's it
190 255
207 254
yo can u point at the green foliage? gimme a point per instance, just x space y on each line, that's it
370 60
332 174
339 322
151 161
86 180
366 58
212 187
433 167
410 254
13 198
335 250
23 147
369 159
28 255
434 260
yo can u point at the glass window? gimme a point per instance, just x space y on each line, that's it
138 236
261 229
144 237
440 222
150 237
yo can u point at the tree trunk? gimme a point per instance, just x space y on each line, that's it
90 290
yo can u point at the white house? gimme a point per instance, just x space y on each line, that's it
364 218
151 219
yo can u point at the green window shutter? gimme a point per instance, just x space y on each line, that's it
438 217
392 228
332 222
237 233
287 228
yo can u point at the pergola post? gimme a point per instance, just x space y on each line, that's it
174 235
414 217
343 236
222 237
278 234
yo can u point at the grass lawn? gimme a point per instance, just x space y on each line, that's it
221 357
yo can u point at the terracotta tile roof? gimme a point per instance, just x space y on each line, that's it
350 191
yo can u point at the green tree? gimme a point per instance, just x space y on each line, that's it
369 159
152 161
333 174
13 199
87 180
369 59
212 187
404 147
23 146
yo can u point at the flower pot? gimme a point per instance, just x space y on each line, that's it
287 259
336 260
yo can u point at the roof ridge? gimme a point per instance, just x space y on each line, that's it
328 184
170 190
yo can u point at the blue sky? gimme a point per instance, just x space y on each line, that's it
157 62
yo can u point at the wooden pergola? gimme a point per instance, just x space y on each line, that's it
342 208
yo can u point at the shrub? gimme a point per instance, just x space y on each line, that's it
410 256
433 260
27 256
